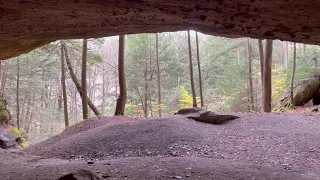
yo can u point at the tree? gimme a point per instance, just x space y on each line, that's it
158 75
199 69
121 101
250 74
18 104
76 81
64 89
261 58
85 112
194 97
267 89
4 77
293 71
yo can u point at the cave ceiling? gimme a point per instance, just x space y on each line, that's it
28 24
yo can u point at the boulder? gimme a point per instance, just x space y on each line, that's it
7 140
307 91
316 98
80 175
189 111
205 116
303 93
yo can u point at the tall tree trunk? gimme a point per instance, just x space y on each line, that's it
238 54
267 89
159 77
76 81
1 75
18 83
283 53
286 45
194 97
103 90
64 90
145 109
250 75
261 59
85 112
28 107
4 77
121 101
315 63
293 71
42 88
199 69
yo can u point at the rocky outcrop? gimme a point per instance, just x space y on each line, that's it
80 175
7 140
304 92
28 24
205 116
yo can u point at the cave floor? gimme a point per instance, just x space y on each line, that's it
255 146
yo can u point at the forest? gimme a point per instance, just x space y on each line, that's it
42 87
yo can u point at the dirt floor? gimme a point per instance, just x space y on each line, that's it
255 146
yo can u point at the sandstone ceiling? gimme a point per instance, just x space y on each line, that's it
27 24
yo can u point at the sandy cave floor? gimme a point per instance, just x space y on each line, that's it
255 146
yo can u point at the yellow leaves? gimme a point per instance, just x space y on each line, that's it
186 99
134 110
278 87
18 135
16 132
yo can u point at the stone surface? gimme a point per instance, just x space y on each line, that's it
7 140
80 175
304 92
27 24
205 116
188 111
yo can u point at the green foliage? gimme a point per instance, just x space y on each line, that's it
224 64
134 110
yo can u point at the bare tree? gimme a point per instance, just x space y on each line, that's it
18 83
293 71
64 90
199 69
267 89
158 75
250 74
85 112
76 81
194 97
121 101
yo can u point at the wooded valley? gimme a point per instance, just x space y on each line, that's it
156 74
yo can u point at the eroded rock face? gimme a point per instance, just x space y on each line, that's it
27 24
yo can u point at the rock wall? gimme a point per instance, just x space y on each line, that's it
27 24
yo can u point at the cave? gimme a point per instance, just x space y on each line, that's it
26 24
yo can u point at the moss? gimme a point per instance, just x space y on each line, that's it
24 145
16 133
3 110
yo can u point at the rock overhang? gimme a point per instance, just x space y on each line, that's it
27 24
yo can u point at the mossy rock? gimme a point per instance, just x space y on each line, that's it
303 93
307 91
18 135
